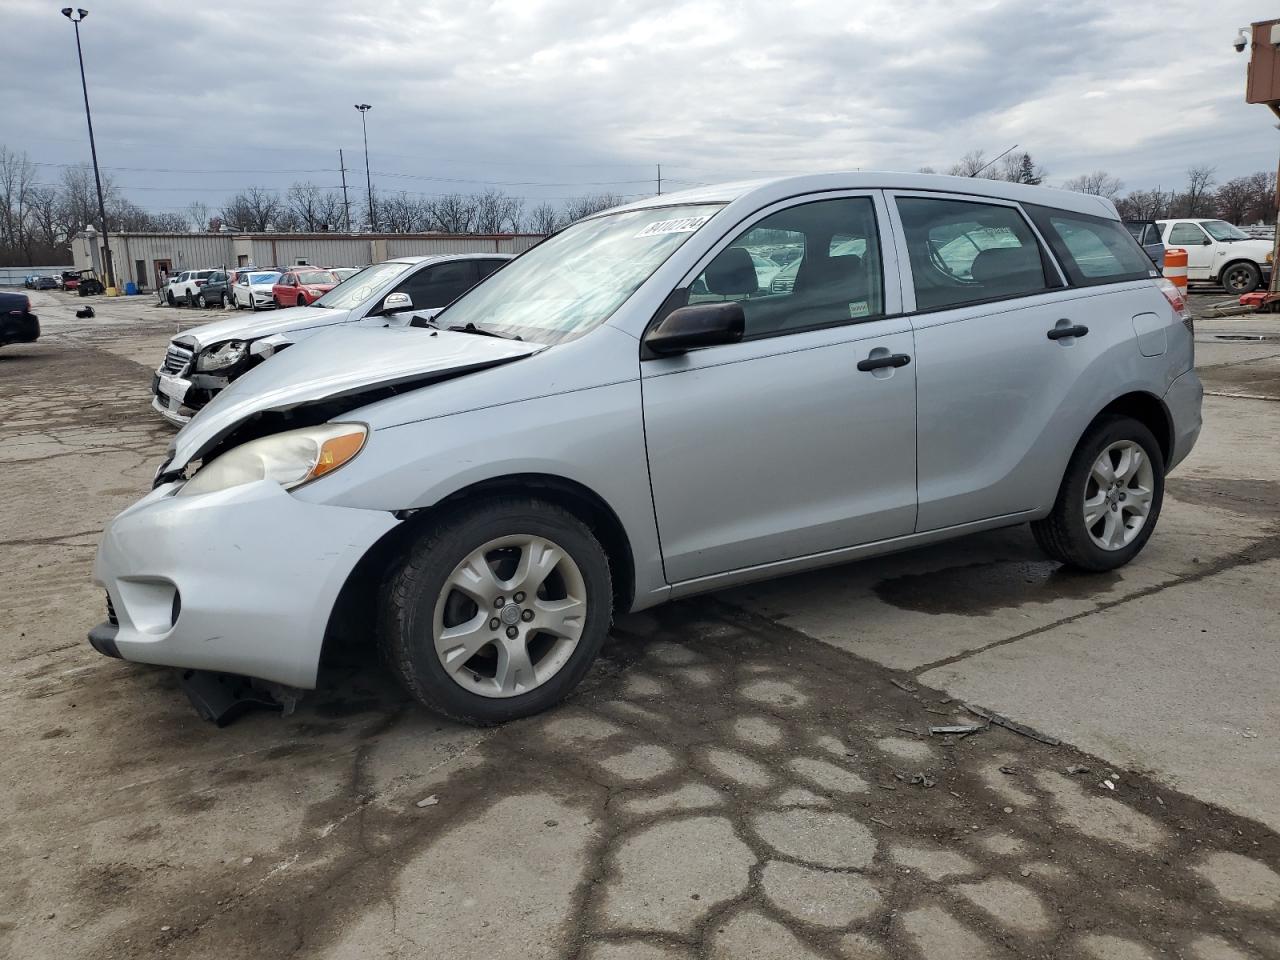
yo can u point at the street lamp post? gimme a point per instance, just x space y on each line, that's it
373 216
75 17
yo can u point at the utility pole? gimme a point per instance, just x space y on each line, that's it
93 149
659 179
346 204
373 214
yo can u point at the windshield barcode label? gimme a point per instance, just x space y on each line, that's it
679 225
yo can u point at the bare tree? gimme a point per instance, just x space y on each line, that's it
255 209
1145 204
403 213
1235 198
497 212
1099 184
43 218
17 180
1262 185
1197 200
1020 168
970 165
453 213
167 222
545 218
584 206
313 208
197 215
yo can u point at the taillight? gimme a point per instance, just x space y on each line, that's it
201 283
1176 300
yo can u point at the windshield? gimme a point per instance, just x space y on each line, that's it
1221 230
317 276
356 290
574 280
263 277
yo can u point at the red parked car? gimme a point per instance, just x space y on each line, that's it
301 286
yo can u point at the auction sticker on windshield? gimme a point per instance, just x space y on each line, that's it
678 225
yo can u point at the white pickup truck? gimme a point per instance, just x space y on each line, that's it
1217 252
185 286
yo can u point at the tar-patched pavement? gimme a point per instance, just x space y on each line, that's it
747 775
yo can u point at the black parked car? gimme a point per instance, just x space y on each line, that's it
216 292
17 323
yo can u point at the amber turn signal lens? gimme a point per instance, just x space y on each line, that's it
336 451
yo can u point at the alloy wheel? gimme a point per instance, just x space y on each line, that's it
510 616
1117 496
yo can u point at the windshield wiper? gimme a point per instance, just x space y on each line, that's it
472 328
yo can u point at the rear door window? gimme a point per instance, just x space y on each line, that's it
1092 250
964 251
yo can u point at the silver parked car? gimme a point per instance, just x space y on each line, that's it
584 434
201 361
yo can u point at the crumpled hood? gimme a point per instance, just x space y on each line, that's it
251 326
338 363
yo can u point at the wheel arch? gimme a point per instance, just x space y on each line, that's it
1147 409
359 594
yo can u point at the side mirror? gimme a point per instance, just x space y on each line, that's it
1206 242
700 325
396 301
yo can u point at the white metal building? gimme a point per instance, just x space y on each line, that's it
141 257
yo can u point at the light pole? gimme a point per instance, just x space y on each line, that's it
93 149
373 215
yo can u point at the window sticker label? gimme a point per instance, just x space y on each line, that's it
679 225
859 308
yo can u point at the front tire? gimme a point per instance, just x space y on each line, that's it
201 302
1110 498
497 612
1241 278
168 296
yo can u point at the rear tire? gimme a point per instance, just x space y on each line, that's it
497 548
1097 523
1241 278
276 301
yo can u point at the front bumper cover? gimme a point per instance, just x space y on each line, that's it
239 581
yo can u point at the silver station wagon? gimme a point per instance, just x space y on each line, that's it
635 411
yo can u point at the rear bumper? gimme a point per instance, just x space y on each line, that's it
240 581
19 328
1183 400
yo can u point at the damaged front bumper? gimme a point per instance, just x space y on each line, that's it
239 581
178 398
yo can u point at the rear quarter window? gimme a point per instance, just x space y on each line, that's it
1092 250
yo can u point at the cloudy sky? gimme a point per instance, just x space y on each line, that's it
549 99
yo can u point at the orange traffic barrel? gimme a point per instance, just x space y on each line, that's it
1175 268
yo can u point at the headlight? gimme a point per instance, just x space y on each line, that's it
221 357
290 459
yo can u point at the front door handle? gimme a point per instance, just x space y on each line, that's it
888 360
1059 333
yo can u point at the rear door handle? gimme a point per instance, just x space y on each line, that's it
889 360
1059 333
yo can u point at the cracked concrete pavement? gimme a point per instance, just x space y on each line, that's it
735 779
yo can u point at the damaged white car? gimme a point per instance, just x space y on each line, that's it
202 361
630 413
